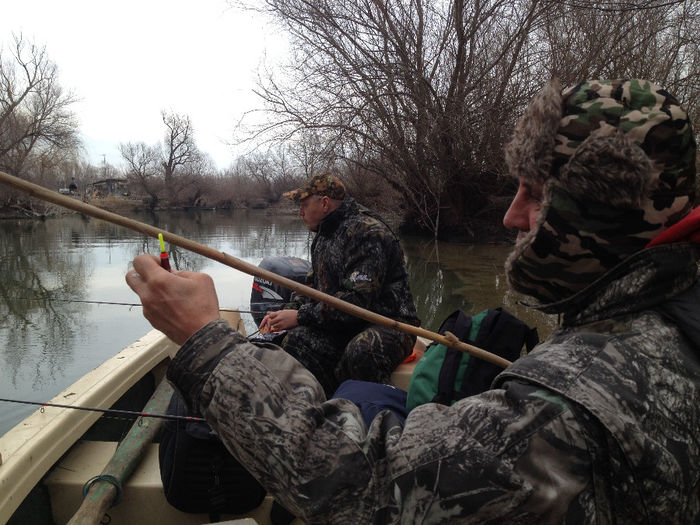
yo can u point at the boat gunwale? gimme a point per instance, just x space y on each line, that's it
34 445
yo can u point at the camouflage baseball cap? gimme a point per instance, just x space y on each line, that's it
616 162
326 184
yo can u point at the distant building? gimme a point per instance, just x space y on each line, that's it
103 188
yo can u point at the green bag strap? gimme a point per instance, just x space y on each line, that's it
502 334
460 325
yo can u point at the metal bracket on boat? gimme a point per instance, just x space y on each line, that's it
109 479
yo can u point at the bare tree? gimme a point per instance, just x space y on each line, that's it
235 187
258 167
172 171
195 189
312 152
423 94
612 40
36 123
143 168
179 149
406 86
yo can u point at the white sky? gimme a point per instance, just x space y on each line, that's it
126 61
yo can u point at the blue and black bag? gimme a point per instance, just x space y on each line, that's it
444 375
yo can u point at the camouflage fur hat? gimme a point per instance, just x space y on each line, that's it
326 184
616 163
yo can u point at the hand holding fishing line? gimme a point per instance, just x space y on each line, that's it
278 321
177 304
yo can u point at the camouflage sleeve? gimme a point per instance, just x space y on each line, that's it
297 300
515 454
361 279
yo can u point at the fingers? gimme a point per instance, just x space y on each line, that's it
268 324
265 325
178 304
147 265
278 321
133 279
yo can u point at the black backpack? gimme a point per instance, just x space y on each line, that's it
444 375
199 474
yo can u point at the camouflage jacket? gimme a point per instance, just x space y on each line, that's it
598 425
357 258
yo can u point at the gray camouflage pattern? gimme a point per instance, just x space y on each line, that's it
334 356
598 425
357 258
616 159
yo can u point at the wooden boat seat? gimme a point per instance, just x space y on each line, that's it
143 493
143 501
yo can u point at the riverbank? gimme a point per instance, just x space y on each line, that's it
122 205
489 231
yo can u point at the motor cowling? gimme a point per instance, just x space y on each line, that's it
268 296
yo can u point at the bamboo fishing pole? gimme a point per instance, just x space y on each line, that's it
250 269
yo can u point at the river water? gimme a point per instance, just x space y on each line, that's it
49 338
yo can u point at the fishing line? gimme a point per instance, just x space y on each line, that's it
132 305
129 413
118 304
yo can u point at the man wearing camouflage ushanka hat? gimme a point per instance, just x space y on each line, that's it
608 237
598 424
614 162
358 259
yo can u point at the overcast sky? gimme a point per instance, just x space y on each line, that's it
126 61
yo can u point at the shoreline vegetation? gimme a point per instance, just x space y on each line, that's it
117 204
491 232
427 155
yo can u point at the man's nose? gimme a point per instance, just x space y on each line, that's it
517 216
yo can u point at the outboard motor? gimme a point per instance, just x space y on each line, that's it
267 296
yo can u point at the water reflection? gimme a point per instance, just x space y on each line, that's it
34 273
446 277
48 340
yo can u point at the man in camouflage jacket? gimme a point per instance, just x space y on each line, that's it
358 259
599 424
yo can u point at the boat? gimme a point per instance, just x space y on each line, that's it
48 459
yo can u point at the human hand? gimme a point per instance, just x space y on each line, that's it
178 303
278 321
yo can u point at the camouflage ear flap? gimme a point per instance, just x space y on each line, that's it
609 167
529 153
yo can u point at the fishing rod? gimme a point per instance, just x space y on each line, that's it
128 413
82 207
